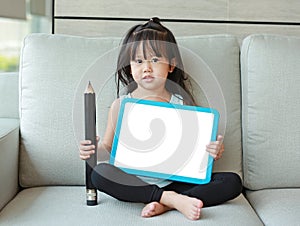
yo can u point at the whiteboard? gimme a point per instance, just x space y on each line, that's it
164 140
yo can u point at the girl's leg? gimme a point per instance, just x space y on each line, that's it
222 187
115 182
125 187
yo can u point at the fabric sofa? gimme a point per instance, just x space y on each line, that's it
254 85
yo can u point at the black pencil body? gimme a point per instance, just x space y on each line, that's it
90 134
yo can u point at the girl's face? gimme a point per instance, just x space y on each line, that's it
150 72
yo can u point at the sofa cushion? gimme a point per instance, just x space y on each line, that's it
52 67
54 72
212 61
276 206
270 88
9 83
65 205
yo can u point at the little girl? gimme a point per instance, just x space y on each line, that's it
150 67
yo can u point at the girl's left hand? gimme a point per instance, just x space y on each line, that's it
216 148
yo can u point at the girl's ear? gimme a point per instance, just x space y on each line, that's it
172 65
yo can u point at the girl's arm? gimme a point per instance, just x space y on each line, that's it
106 143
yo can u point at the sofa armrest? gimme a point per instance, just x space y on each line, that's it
9 153
9 95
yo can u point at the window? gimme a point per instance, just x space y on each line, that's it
13 31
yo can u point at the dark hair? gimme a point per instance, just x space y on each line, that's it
161 40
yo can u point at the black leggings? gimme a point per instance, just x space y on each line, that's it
126 187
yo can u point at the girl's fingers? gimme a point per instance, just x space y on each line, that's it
220 138
87 147
216 148
213 152
85 142
84 157
89 152
220 153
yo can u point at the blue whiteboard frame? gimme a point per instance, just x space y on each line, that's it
189 179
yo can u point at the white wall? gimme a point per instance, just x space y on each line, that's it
190 17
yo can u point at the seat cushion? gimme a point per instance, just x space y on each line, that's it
66 206
276 206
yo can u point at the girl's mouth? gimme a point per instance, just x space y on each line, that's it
148 78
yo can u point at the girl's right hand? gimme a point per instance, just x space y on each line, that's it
86 149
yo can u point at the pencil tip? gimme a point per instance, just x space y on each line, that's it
89 88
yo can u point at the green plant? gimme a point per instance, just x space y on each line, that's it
8 64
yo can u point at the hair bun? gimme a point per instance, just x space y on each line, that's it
155 20
153 23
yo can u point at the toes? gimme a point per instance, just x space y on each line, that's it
197 209
149 210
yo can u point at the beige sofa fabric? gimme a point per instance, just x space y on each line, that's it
65 205
9 106
217 85
9 152
271 120
276 207
9 136
51 69
54 74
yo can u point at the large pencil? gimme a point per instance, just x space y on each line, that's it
90 134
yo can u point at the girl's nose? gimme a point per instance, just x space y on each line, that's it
147 66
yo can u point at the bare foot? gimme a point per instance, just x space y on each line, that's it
188 206
153 209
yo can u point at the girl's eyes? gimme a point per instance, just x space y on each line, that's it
138 61
154 60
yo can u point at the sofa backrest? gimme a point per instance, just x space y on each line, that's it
54 72
270 71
